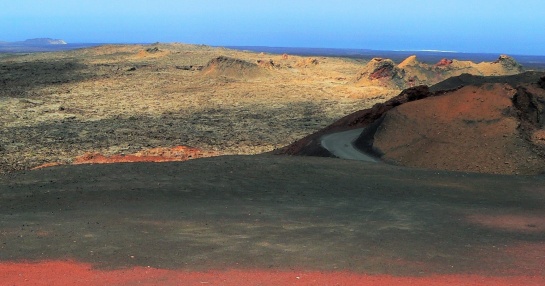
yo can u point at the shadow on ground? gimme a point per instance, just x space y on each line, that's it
21 78
229 128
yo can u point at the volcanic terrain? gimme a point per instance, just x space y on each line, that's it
267 219
114 101
478 124
121 100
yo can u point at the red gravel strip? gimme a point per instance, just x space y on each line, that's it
75 273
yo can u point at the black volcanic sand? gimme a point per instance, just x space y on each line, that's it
276 212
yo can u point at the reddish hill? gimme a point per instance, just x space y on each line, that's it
475 128
490 125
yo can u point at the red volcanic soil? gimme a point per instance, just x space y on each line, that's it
178 153
478 129
74 273
464 130
161 154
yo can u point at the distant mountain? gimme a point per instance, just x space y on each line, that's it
42 42
35 42
40 45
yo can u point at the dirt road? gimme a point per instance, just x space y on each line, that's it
341 144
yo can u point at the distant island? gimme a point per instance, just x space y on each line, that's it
40 45
35 42
42 41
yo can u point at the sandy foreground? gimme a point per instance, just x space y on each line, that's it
266 220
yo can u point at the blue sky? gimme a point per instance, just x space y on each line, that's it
497 26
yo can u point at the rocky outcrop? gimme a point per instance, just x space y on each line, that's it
504 65
530 105
153 50
508 63
381 72
411 72
307 62
267 64
444 63
231 67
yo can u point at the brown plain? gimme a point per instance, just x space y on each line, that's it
115 102
120 100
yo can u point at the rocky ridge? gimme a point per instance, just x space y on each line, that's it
411 72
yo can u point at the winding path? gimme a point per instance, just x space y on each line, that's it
341 144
